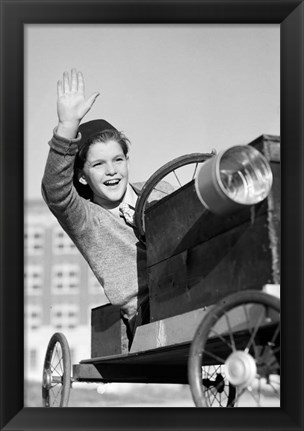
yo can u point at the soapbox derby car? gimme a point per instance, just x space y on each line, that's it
213 259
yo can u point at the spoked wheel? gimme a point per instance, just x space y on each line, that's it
217 389
173 176
241 333
56 380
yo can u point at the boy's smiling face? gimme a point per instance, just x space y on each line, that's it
106 171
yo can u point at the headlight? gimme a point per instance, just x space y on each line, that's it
234 178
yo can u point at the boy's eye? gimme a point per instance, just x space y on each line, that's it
120 159
97 164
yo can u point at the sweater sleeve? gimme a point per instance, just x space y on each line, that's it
58 190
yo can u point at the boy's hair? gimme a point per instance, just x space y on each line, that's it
104 136
80 159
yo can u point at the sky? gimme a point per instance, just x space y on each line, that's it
172 89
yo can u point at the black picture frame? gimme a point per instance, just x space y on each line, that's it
14 15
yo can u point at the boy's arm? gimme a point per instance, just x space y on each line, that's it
57 184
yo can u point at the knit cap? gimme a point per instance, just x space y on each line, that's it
92 128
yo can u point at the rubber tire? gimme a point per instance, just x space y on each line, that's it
66 378
157 177
201 335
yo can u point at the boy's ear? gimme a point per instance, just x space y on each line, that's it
81 178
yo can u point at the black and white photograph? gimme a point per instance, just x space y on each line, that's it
151 215
179 124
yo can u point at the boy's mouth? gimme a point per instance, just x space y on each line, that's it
113 182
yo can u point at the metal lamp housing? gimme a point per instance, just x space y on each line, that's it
236 177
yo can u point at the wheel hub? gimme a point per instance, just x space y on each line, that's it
47 379
240 369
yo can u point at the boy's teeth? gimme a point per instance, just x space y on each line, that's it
111 182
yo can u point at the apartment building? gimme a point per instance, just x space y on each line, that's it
59 290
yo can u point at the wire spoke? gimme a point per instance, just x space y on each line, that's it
57 395
219 398
54 368
214 397
276 333
213 356
221 338
177 178
256 399
212 374
56 351
230 331
59 361
195 170
276 349
239 394
161 191
270 383
257 326
250 329
226 390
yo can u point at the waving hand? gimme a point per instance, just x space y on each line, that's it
72 104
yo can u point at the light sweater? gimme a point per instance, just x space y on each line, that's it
109 245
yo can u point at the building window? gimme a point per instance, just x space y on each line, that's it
34 240
33 359
62 244
66 278
33 317
33 279
65 316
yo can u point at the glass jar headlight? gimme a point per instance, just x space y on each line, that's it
239 176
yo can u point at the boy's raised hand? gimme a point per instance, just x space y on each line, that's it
72 105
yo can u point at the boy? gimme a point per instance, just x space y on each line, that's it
86 186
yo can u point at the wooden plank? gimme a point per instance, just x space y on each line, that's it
168 332
182 328
162 365
131 373
108 332
159 356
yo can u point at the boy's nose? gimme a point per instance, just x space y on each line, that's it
111 170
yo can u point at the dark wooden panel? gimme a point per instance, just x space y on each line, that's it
269 145
108 332
200 276
181 221
161 365
195 257
129 373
